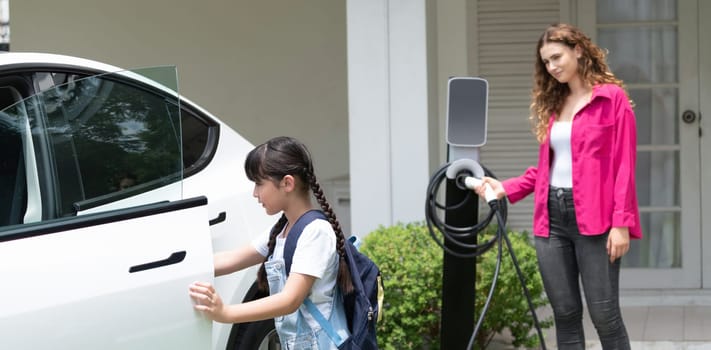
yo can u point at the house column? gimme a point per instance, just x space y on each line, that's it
388 111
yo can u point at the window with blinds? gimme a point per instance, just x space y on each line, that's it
505 33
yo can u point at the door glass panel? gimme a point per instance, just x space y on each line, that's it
660 247
642 39
658 179
635 10
658 195
103 142
642 54
655 111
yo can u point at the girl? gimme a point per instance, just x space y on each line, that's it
585 206
283 174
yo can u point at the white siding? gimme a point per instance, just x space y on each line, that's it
507 32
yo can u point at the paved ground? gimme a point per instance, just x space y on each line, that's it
656 327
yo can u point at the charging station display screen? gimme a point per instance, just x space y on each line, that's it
467 111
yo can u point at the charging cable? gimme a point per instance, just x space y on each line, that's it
467 175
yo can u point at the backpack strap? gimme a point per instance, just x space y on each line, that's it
289 248
325 325
295 233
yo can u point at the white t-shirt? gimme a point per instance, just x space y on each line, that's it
562 167
315 255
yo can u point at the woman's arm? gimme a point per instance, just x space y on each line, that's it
624 198
518 188
285 302
625 154
234 260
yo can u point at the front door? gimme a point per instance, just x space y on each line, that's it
654 47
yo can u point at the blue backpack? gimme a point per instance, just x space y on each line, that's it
363 305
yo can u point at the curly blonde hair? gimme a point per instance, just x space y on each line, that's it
548 94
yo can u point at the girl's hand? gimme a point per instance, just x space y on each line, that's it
207 301
495 185
618 242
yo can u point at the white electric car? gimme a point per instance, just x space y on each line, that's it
114 193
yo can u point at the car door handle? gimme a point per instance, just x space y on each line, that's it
174 258
220 218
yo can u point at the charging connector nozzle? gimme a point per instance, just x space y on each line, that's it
473 182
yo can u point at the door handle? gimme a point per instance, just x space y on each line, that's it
688 116
220 218
174 258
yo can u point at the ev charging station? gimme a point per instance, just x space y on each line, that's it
466 132
467 106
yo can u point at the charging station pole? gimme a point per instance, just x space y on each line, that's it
466 132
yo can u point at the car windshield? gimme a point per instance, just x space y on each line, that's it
91 143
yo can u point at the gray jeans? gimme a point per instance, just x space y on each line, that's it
566 256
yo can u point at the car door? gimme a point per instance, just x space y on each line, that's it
94 232
111 280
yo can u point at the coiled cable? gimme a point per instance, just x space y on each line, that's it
457 236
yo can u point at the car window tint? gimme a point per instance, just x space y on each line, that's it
88 141
108 137
13 185
196 133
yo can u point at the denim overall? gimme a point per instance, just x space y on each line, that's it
293 329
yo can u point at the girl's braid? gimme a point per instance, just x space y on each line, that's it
262 273
344 275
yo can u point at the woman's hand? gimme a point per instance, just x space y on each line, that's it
495 185
207 301
618 242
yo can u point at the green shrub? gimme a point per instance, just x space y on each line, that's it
411 264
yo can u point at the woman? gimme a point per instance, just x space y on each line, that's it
584 185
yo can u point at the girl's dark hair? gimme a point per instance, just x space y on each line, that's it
282 156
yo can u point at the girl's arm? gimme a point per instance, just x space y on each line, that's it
234 260
283 303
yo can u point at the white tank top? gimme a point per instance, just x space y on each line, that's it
561 169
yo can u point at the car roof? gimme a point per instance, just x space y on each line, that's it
29 60
35 59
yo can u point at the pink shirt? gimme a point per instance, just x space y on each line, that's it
603 144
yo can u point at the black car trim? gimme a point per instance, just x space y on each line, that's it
220 218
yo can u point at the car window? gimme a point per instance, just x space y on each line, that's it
17 164
199 140
108 138
199 133
13 187
89 141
